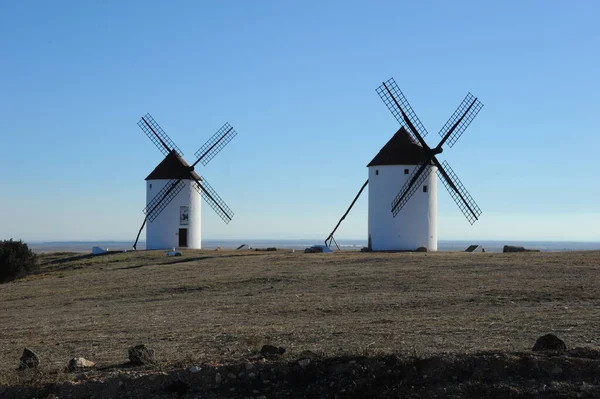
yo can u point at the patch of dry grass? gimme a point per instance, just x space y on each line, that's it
223 305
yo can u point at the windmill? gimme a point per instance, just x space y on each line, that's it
174 190
408 162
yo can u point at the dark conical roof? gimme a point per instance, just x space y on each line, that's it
172 167
400 150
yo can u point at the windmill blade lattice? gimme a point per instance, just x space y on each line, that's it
463 199
214 200
157 135
461 118
413 183
163 198
394 99
215 144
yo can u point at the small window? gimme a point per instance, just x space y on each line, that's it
424 189
376 171
405 171
150 185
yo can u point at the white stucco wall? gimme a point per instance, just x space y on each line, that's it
415 225
163 232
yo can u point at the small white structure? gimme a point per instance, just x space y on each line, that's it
179 224
416 224
99 251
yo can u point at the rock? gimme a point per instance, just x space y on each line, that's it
303 362
556 370
313 250
218 378
512 248
29 359
195 369
270 351
318 249
140 355
421 249
78 363
549 342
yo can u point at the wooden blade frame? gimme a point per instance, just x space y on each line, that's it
215 144
214 200
157 135
421 172
461 119
459 193
394 99
163 198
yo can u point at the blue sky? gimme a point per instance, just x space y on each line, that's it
297 80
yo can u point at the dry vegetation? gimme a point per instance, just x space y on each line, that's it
221 306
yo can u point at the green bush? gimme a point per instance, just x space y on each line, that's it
16 260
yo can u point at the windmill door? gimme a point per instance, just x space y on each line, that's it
183 237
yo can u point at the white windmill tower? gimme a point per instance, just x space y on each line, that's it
174 191
407 161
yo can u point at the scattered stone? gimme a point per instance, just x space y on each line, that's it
512 248
303 362
549 342
139 355
313 250
29 359
195 369
78 363
218 378
421 249
270 351
556 370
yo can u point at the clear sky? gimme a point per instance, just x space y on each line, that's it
297 80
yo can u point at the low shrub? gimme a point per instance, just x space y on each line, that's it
16 260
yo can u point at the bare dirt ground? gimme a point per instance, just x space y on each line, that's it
387 313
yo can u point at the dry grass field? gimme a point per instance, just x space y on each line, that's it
222 306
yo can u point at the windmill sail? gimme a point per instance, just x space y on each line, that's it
157 135
215 144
